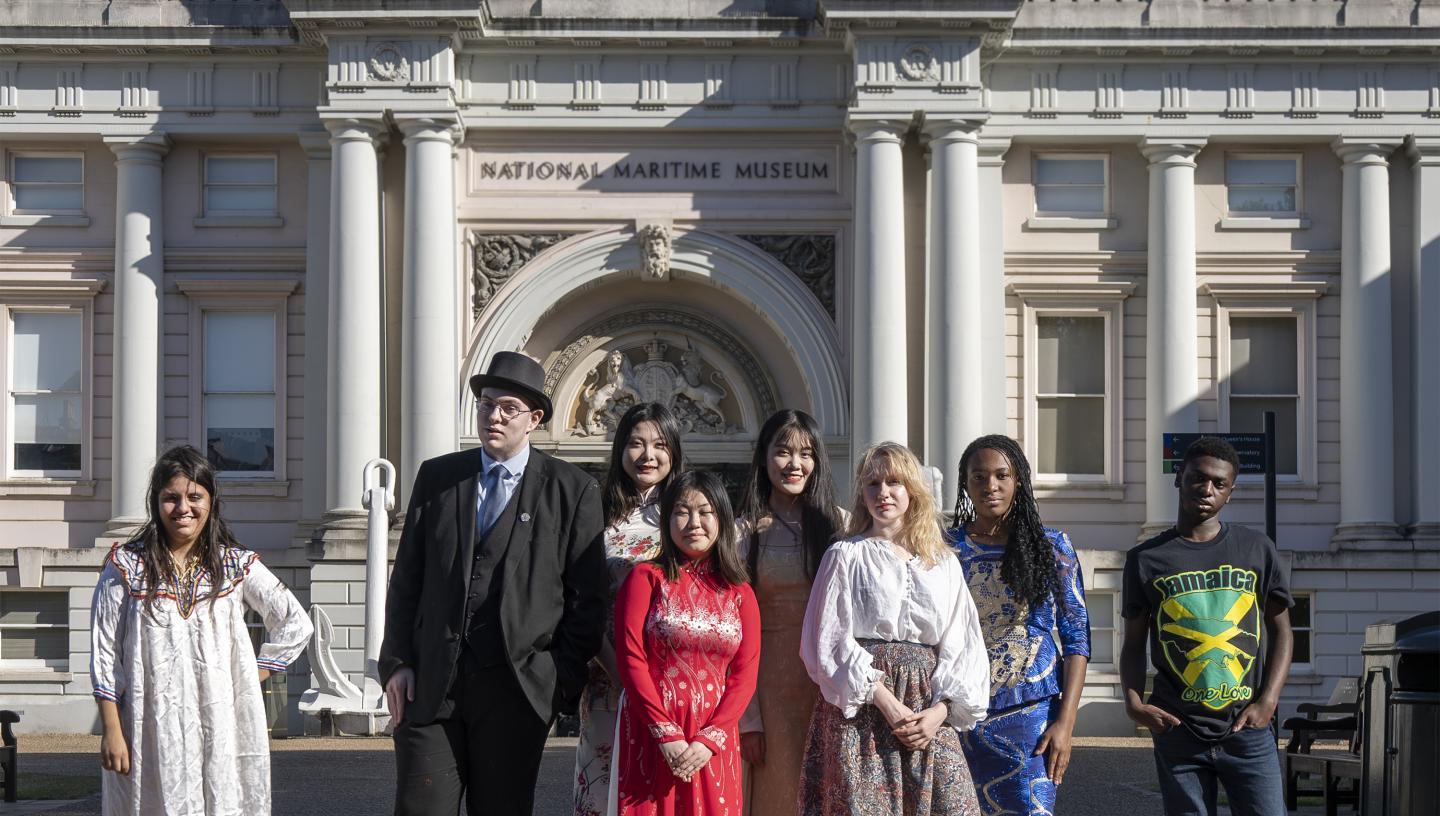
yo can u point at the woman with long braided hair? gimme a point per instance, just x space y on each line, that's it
1025 579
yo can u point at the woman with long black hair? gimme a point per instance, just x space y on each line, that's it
788 519
172 666
645 457
1025 579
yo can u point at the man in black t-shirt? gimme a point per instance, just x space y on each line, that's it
1213 600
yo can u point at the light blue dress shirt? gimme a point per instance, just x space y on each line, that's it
509 480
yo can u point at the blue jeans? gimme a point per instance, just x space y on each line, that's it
1247 763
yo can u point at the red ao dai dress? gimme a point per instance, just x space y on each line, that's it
688 653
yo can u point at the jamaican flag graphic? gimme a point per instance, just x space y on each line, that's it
1209 631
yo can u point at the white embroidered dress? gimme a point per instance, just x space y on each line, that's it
187 682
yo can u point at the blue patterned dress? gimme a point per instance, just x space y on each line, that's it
1025 674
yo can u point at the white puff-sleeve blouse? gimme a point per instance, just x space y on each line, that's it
863 589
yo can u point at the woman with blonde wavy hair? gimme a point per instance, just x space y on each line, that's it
892 639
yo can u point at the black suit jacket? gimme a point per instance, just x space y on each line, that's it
552 589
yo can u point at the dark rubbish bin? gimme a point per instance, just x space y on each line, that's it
1401 716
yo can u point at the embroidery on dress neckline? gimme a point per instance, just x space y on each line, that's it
128 557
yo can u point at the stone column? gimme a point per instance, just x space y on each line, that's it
430 341
878 344
957 348
996 406
1367 382
317 311
354 347
139 279
1425 344
1171 381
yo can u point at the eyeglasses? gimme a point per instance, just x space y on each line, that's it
508 410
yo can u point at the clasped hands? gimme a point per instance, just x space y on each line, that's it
685 760
915 729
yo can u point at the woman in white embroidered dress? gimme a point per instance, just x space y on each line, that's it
892 638
172 666
645 457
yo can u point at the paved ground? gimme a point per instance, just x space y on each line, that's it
355 777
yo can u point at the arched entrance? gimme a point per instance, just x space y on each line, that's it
727 336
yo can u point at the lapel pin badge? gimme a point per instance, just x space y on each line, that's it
524 517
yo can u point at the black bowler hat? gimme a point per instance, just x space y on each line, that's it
512 371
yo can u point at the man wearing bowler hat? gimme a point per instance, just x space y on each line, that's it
496 605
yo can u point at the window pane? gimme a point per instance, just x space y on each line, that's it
240 351
1071 434
1260 171
1070 199
48 197
1101 609
30 608
1247 415
1071 355
34 644
1300 612
53 169
1263 355
1070 171
1102 646
1302 648
47 418
240 170
243 199
47 353
1261 199
240 432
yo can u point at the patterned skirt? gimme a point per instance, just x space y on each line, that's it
856 767
1009 778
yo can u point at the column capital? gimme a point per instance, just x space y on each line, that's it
954 128
1171 149
150 146
878 129
316 144
1424 151
1364 149
356 129
444 127
993 150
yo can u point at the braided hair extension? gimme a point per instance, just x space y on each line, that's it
1028 566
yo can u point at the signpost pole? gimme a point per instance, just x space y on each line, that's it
1270 474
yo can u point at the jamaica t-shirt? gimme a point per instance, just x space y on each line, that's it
1205 604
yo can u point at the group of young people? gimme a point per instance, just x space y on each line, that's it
794 657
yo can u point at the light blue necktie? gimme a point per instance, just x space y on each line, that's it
494 503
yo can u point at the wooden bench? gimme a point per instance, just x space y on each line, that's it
1338 719
7 752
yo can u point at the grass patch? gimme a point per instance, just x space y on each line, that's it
58 786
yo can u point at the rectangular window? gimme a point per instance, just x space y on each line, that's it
240 185
239 391
46 389
1262 184
1071 185
1070 394
1302 617
1100 606
1264 376
43 183
34 629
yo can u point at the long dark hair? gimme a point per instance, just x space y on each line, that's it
819 518
188 463
1028 565
725 556
619 496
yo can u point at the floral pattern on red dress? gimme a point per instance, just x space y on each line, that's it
688 654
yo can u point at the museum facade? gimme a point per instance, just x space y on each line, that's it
288 232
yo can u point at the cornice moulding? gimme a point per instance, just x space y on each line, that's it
1038 290
237 286
52 287
1279 290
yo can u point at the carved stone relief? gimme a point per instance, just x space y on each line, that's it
692 389
810 257
388 63
498 257
670 370
655 250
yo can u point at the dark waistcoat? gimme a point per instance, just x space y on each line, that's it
482 603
